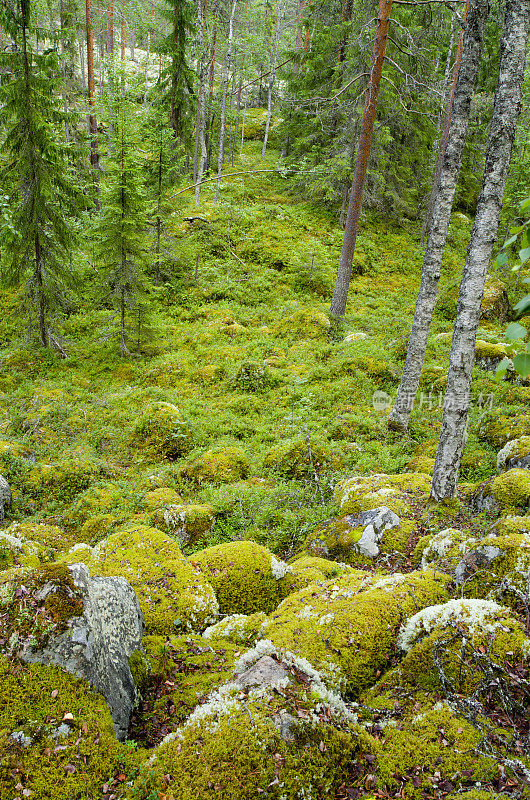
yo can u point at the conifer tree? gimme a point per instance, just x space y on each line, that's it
37 244
121 244
178 78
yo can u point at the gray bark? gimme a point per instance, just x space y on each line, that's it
201 153
430 277
506 109
272 76
222 122
82 66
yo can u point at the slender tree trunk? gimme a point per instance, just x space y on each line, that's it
123 347
506 109
243 126
210 113
444 134
82 66
202 152
41 303
133 44
347 10
299 30
340 295
122 37
92 123
272 76
222 123
432 261
147 64
110 70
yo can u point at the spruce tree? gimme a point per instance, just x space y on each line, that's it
177 80
121 244
41 194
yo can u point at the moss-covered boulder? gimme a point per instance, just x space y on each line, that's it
246 576
220 465
189 523
161 497
19 551
161 432
421 463
512 524
510 490
64 480
347 627
359 539
495 303
56 737
304 324
488 356
498 429
496 567
276 730
443 549
171 592
514 454
305 570
400 493
51 537
182 672
295 459
238 628
99 499
450 646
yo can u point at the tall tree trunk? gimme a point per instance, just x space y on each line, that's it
222 121
506 109
41 302
272 76
432 261
92 123
200 144
347 10
444 133
123 347
122 37
82 66
133 44
299 30
340 295
110 70
147 64
211 76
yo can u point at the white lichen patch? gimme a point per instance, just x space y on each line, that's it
477 615
279 568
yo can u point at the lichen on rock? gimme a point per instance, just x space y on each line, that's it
397 492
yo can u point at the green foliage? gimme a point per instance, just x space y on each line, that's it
177 79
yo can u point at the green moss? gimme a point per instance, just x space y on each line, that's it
487 350
243 576
33 701
440 549
97 527
163 496
52 538
421 463
63 481
514 449
505 578
305 570
140 669
171 593
497 428
495 302
347 627
291 457
161 433
222 465
304 324
96 500
397 492
339 540
509 525
238 628
511 490
189 523
253 376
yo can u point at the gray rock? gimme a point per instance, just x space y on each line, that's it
265 672
97 645
476 560
6 498
376 522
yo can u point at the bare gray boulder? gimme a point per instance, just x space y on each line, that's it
97 645
6 498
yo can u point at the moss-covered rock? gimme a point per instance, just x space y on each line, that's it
495 303
496 567
56 737
512 524
510 490
246 576
183 671
446 645
171 592
443 549
221 465
304 324
292 457
305 570
96 500
488 355
64 480
161 498
161 433
497 429
190 524
398 492
52 538
238 628
347 627
98 527
516 453
421 463
286 738
19 551
253 376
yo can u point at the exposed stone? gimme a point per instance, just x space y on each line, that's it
354 534
475 560
514 454
265 672
6 498
97 645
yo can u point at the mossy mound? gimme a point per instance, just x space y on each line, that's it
222 465
488 355
451 645
183 671
160 498
516 453
495 303
100 499
161 433
512 524
238 628
496 567
304 324
63 481
56 737
347 627
287 738
421 463
305 570
398 492
172 594
188 523
293 458
246 576
253 376
443 549
508 491
98 527
52 538
497 429
19 551
342 539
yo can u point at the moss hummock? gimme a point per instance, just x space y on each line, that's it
161 433
511 490
397 492
222 465
172 594
246 576
293 457
239 628
305 570
347 627
497 429
190 523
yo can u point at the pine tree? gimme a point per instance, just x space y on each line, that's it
121 244
38 242
178 78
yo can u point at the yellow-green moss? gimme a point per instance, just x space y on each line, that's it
171 593
223 465
441 549
97 527
508 525
94 501
189 523
339 540
497 429
238 628
487 350
242 576
64 480
421 463
495 302
163 496
52 538
303 324
505 578
161 432
396 492
291 457
306 570
511 490
33 702
347 627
